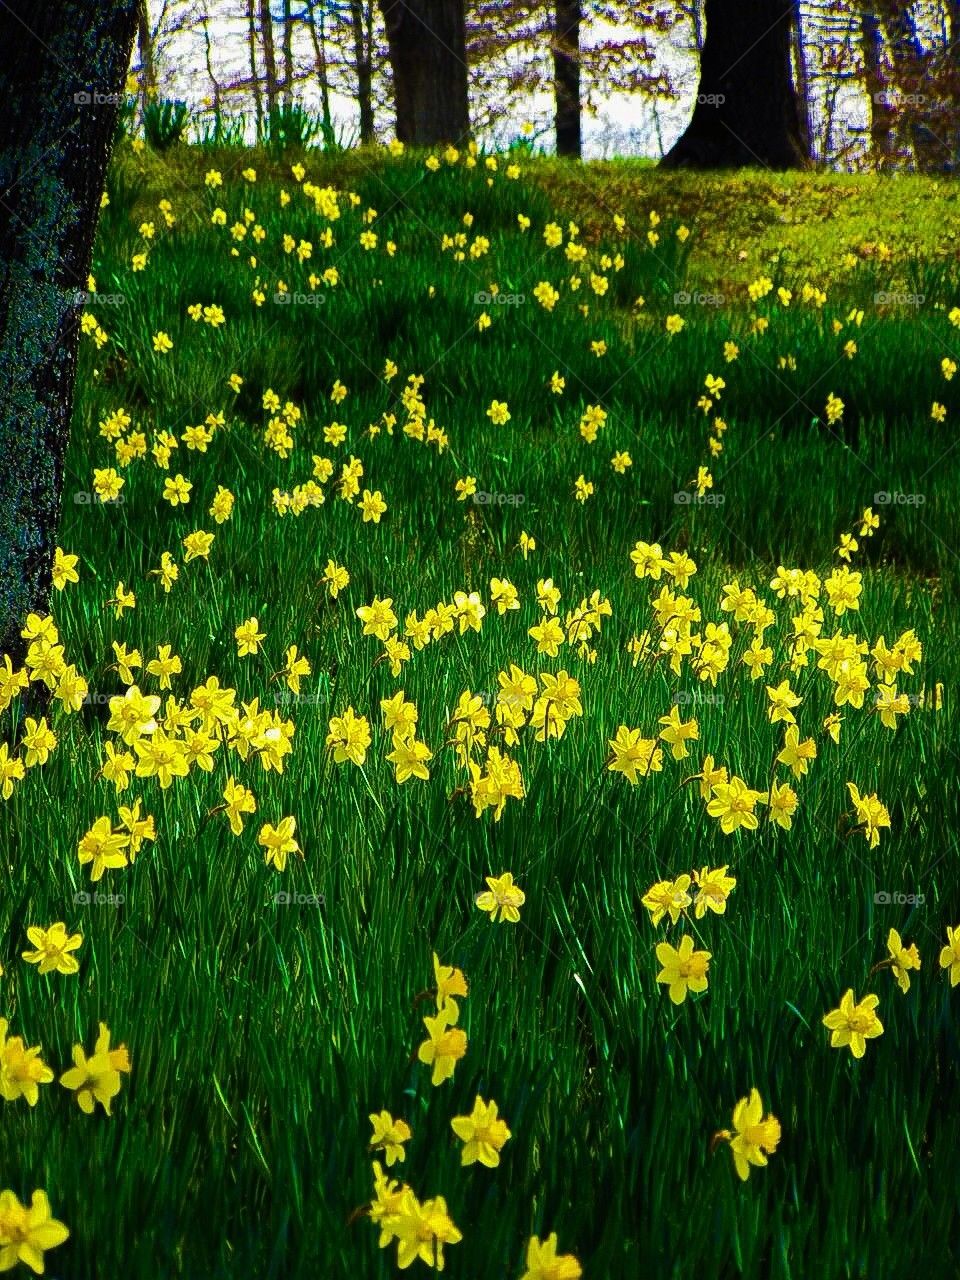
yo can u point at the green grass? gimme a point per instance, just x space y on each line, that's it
262 1035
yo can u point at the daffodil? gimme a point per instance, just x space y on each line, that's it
97 1078
26 1233
483 1134
52 948
445 1045
683 969
854 1024
754 1138
502 899
389 1135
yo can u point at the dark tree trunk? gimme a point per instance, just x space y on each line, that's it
427 40
951 41
269 56
746 111
566 76
362 60
287 55
63 74
883 143
254 73
208 56
802 80
369 23
318 34
148 70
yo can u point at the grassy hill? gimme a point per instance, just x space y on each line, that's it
684 415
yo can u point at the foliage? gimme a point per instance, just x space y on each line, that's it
291 126
165 122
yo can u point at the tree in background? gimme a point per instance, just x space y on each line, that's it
321 50
747 110
627 60
252 47
879 89
428 58
875 82
521 47
271 82
893 63
148 68
565 48
287 48
316 23
362 35
923 85
54 148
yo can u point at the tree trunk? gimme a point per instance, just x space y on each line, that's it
54 148
911 67
364 68
148 70
427 41
566 76
215 83
746 111
883 142
802 81
371 46
287 55
254 73
951 42
318 34
269 56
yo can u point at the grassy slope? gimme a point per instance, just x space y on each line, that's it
262 1035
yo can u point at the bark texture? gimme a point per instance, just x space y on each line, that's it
61 80
566 77
428 57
